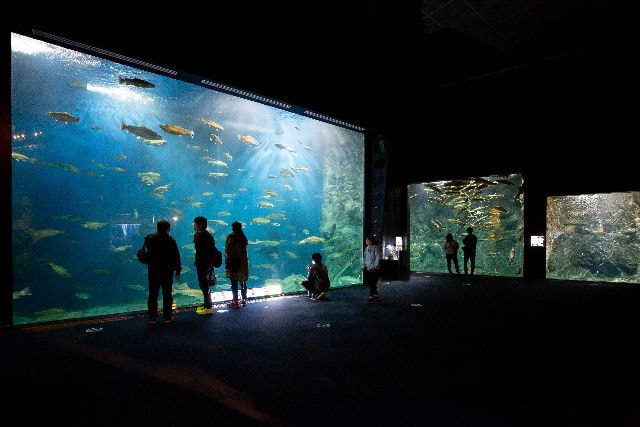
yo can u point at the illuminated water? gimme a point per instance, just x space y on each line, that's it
594 237
492 205
81 207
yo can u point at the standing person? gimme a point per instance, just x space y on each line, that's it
236 262
317 283
451 251
163 259
371 268
204 243
470 241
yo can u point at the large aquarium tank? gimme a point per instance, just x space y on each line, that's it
103 151
492 205
594 237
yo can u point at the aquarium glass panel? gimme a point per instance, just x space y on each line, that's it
102 151
492 205
594 237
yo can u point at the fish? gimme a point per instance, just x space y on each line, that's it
270 193
93 225
149 178
64 166
101 271
218 222
136 287
198 148
198 204
224 213
118 169
272 176
22 293
275 224
184 289
456 221
177 130
135 82
215 139
191 246
41 234
218 174
301 169
141 132
266 205
212 124
159 191
267 243
290 149
63 117
291 255
512 255
296 127
305 231
336 255
228 156
248 139
207 193
242 189
276 215
260 220
312 239
22 157
242 170
119 156
59 270
288 187
218 163
280 146
82 295
227 195
154 142
121 248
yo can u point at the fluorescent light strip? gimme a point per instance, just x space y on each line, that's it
104 52
245 93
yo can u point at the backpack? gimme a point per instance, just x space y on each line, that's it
216 257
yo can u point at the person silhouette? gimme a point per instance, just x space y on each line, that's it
317 283
451 251
371 268
163 260
236 262
470 241
204 244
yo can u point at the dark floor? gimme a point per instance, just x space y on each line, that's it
436 350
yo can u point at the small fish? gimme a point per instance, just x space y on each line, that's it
290 149
215 139
228 156
211 123
198 204
248 139
265 205
154 142
198 148
301 169
436 224
288 187
291 255
280 146
177 130
135 82
149 178
272 176
63 117
41 234
260 220
306 147
275 224
270 193
136 287
227 195
119 156
141 132
224 213
305 231
242 189
207 193
121 248
101 271
217 163
118 169
218 222
218 174
276 215
69 217
83 295
312 239
22 293
512 255
242 170
59 270
93 225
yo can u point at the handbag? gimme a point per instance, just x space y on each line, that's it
211 277
142 254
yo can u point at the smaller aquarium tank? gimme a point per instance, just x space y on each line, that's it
594 237
492 205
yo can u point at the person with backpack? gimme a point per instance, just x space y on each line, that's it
236 261
317 283
451 251
160 253
205 246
